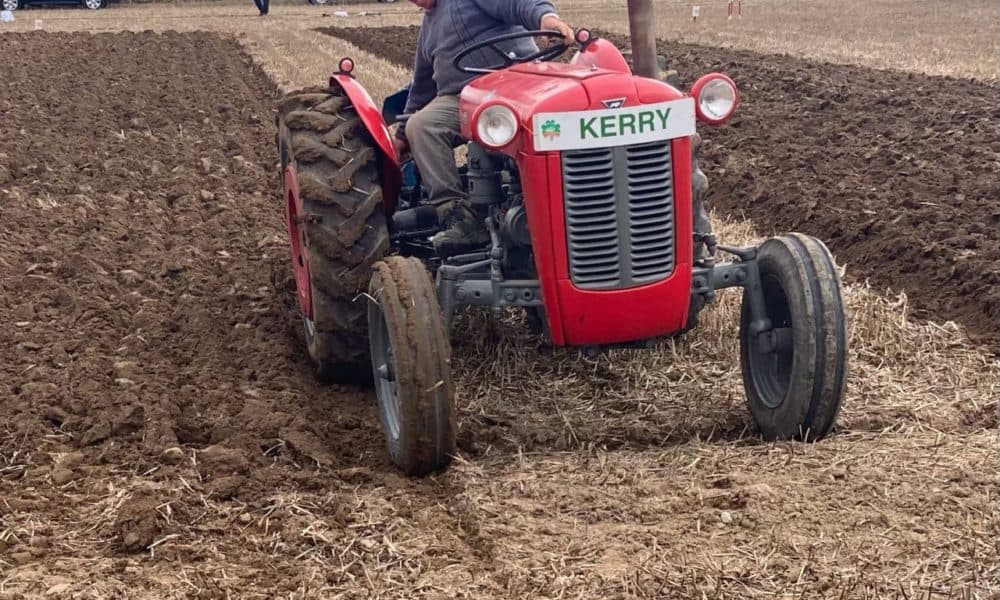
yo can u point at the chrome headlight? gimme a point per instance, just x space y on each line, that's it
496 126
715 98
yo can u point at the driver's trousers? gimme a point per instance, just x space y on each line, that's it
433 133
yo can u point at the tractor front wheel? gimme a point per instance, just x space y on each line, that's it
411 363
794 373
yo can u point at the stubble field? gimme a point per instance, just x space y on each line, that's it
163 436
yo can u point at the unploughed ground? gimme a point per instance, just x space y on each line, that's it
957 37
897 172
162 435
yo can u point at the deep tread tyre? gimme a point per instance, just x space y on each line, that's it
330 156
795 391
411 362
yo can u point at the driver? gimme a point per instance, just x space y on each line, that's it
432 132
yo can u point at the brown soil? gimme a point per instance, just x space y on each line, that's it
143 279
141 250
897 172
162 434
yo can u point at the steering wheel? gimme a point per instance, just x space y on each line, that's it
545 54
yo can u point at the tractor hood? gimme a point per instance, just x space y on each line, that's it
532 89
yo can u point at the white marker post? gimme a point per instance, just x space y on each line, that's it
695 13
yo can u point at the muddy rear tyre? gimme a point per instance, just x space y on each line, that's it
795 375
411 362
336 224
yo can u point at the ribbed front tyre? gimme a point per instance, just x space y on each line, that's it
794 374
411 363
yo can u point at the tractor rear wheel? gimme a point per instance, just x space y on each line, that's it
794 374
336 225
411 362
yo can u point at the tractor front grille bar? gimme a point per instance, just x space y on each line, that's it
619 205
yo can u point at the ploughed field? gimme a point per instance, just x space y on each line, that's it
896 171
162 435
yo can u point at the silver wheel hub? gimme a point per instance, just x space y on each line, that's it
92 4
10 4
386 388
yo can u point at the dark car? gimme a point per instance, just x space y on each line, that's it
16 4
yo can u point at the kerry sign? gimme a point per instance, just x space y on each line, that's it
614 126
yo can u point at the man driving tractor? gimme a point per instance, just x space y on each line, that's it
588 178
432 131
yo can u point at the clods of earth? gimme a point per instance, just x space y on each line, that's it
163 435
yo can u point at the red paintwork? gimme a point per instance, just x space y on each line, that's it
598 72
300 253
531 88
696 90
526 89
539 203
371 117
602 54
586 317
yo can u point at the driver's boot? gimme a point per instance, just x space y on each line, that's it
466 232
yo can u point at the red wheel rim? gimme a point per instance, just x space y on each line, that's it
296 235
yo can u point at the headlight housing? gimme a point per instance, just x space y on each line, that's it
496 126
715 98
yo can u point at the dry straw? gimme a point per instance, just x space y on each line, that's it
635 474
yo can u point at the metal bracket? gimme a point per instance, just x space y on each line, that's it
705 281
477 279
470 284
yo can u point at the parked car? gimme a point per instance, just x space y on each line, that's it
16 4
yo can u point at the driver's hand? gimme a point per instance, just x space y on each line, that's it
554 23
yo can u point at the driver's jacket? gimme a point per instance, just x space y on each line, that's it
453 25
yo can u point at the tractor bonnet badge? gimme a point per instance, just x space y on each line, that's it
613 102
550 129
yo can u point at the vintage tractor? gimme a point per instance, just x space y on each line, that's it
590 177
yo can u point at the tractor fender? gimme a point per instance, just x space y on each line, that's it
389 171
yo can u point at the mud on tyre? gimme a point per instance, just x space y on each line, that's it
336 224
411 361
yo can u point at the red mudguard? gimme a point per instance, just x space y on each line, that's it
372 119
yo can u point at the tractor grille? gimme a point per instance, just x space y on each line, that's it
619 244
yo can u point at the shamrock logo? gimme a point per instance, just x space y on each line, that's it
550 129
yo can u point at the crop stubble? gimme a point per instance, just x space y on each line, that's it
163 436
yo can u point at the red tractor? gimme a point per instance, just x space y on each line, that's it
590 178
